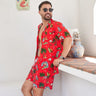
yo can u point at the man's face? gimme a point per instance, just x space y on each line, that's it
45 15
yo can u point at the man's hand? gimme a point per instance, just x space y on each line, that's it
56 61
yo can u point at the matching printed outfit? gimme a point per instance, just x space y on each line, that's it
43 71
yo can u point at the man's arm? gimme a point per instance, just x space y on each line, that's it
66 46
62 31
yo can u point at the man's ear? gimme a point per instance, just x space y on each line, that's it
39 12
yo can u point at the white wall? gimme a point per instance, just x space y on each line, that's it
86 26
75 86
18 33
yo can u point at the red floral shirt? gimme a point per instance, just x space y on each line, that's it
52 38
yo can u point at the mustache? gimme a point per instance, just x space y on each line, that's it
48 14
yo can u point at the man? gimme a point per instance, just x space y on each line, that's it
53 44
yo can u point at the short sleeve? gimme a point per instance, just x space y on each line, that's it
37 41
61 31
36 54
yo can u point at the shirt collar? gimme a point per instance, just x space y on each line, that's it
49 22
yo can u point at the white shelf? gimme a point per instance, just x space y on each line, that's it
79 73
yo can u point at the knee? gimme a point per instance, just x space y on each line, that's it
37 91
25 89
34 92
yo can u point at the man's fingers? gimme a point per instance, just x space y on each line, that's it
61 61
56 62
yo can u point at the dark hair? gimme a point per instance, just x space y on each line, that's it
44 2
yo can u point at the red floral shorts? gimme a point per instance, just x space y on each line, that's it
42 72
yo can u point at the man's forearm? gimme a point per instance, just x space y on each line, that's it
66 46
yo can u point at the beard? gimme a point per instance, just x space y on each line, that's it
47 16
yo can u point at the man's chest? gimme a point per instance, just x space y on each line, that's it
47 34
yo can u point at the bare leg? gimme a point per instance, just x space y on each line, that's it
38 91
27 88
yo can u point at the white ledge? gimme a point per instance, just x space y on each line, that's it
79 73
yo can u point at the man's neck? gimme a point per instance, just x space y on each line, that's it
45 22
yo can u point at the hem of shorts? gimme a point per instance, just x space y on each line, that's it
40 87
43 87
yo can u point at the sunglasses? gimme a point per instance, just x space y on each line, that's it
45 9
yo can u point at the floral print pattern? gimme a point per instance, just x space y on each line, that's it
43 71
